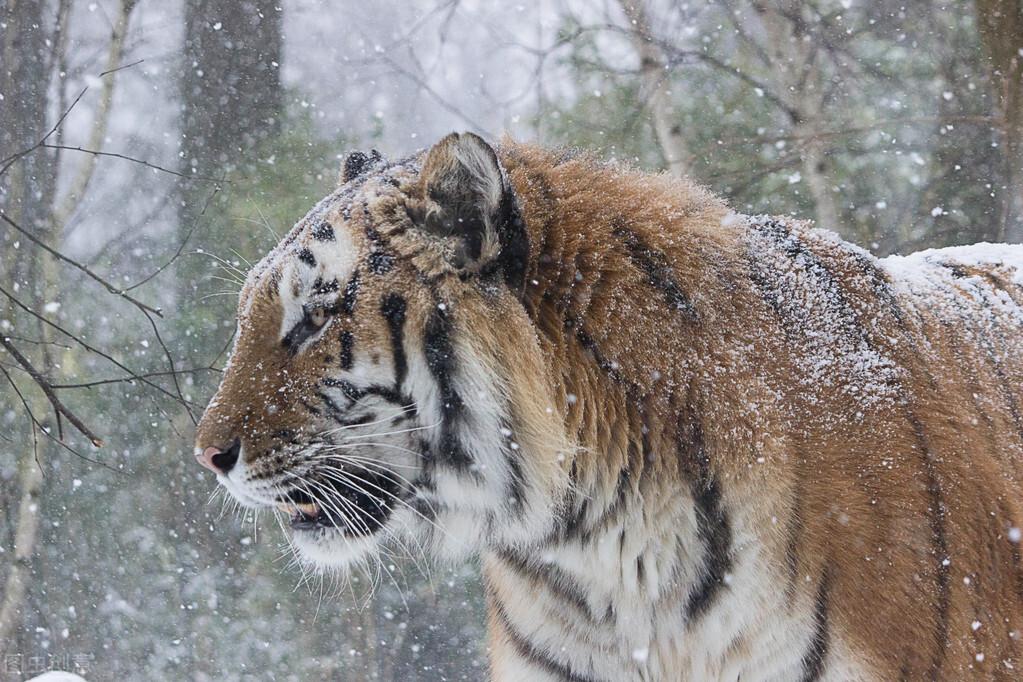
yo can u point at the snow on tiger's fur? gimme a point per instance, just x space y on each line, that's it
686 443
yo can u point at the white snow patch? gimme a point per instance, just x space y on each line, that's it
831 333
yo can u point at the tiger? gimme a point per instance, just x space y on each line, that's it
682 442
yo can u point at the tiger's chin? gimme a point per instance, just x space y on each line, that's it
339 549
342 526
330 550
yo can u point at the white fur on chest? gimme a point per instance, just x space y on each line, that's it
612 607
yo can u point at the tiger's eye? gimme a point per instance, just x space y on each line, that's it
318 317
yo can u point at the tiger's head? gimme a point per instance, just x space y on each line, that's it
386 383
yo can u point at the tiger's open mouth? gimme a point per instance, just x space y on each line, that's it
356 505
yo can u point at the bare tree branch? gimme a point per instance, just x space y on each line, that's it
141 162
47 390
101 120
70 261
131 380
181 246
89 347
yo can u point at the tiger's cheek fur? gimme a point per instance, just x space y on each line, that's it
498 455
259 394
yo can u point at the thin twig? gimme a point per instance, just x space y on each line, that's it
32 422
36 426
70 261
132 380
181 246
87 346
58 406
141 162
9 161
122 67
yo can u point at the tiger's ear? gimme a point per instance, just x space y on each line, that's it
356 163
467 197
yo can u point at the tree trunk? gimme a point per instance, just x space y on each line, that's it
115 52
232 103
24 82
30 199
815 169
795 73
656 80
1000 24
230 85
30 480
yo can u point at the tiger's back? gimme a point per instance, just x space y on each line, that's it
809 458
911 368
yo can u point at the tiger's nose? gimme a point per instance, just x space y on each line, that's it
220 461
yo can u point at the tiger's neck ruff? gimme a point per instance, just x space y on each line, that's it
687 444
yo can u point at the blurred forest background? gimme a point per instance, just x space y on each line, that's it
150 150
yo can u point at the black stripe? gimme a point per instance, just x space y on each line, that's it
713 526
347 305
517 480
565 155
275 283
795 532
324 232
1017 560
655 265
534 655
394 396
879 283
556 580
714 529
514 255
354 164
763 286
957 270
381 260
609 367
814 658
321 287
357 421
543 201
355 393
350 390
306 404
996 364
393 309
347 352
440 359
571 524
357 163
794 248
936 519
939 547
303 330
574 526
307 257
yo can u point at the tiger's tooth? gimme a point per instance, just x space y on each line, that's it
308 509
